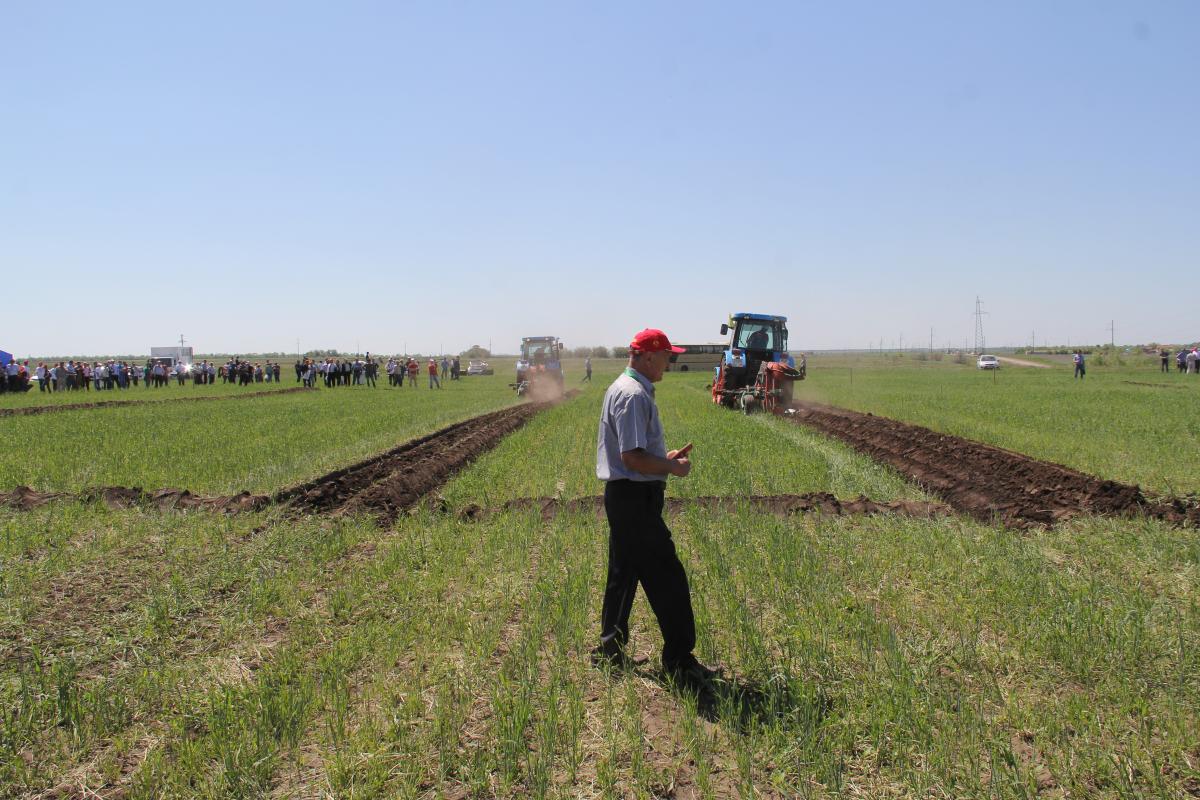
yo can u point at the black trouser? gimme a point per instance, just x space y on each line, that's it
640 549
1165 368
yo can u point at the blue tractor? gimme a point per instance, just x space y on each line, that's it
756 372
539 369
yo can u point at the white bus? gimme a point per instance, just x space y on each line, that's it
698 358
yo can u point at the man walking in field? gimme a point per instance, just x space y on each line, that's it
587 366
1080 369
633 461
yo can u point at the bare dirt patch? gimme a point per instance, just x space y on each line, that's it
988 482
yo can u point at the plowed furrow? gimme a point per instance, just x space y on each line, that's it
431 464
334 488
387 484
988 482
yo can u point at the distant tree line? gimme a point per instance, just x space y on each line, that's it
592 352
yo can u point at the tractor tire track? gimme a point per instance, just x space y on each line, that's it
783 505
31 410
987 482
24 498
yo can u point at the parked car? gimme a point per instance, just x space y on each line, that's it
989 362
479 368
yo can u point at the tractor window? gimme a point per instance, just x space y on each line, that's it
754 336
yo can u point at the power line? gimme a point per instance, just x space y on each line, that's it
980 343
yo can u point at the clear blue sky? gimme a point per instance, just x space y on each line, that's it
435 175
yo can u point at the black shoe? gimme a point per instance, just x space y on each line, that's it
691 674
617 661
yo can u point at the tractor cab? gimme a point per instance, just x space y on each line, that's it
753 339
755 369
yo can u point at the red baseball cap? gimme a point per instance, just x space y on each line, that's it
653 340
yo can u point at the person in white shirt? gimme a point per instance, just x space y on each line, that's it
12 372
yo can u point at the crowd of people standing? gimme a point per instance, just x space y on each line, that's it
79 375
364 371
243 373
72 375
334 372
1185 360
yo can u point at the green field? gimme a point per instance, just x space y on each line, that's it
159 654
1129 423
257 444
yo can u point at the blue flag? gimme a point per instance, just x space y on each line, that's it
5 358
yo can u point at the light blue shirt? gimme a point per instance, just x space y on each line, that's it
628 421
